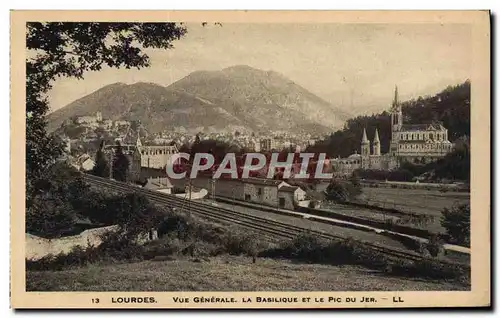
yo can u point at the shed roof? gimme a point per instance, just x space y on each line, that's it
157 183
263 181
287 188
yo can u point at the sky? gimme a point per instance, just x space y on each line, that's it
353 66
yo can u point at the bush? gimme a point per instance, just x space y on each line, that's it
434 246
337 191
443 189
49 217
456 221
341 191
240 244
53 200
311 249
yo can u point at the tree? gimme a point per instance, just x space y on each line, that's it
456 164
337 191
49 216
355 186
69 49
101 167
134 214
120 164
54 209
197 139
456 221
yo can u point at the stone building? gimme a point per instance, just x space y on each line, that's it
89 120
290 196
267 144
262 191
156 156
418 144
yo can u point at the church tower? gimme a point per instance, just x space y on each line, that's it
365 151
396 123
396 113
376 144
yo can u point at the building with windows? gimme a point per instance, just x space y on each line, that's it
417 144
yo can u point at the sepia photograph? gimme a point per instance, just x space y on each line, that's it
262 158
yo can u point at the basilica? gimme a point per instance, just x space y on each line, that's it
418 144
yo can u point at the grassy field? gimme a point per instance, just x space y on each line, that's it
414 200
225 273
408 201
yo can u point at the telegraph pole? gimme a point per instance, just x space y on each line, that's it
111 164
212 190
190 191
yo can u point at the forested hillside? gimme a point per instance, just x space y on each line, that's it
451 107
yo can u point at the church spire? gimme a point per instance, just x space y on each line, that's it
395 102
376 139
365 139
376 144
365 145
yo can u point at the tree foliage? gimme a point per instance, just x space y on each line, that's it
337 191
52 211
133 213
69 49
355 185
121 165
456 164
101 167
456 221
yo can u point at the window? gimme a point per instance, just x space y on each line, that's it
247 197
259 191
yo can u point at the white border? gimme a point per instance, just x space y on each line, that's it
179 5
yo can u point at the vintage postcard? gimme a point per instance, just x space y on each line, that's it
234 159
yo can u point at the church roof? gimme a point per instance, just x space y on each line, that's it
428 141
413 142
354 155
422 127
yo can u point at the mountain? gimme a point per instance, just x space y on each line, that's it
235 98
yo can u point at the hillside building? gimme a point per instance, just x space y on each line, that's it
89 120
142 156
267 144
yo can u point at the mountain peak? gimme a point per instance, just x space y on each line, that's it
239 96
240 67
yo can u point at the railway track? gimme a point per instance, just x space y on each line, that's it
265 226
